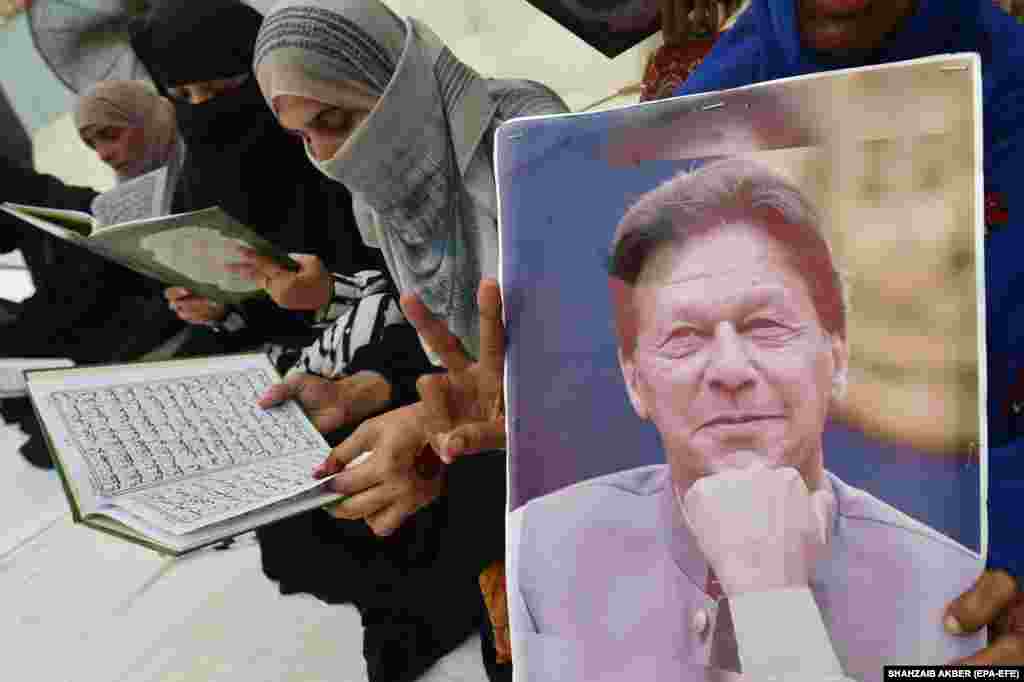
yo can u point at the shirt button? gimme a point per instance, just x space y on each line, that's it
700 621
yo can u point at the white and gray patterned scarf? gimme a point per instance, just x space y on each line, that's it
410 163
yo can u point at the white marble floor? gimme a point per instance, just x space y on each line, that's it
78 606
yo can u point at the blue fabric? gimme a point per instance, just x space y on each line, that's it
765 44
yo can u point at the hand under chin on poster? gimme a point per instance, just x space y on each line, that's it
761 529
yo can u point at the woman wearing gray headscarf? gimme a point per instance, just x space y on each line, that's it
84 307
386 109
129 126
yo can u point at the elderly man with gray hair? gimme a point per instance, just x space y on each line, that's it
742 553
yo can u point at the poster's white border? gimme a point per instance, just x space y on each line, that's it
980 307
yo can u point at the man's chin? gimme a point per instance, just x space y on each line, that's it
742 459
769 458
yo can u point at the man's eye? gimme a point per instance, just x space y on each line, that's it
765 327
681 342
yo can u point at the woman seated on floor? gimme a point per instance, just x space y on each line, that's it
384 108
85 307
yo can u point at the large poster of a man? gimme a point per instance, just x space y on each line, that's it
744 404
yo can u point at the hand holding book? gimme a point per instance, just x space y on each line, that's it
308 288
186 250
400 478
194 309
331 404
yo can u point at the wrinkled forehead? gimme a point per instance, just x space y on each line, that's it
735 267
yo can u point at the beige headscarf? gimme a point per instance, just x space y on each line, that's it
132 104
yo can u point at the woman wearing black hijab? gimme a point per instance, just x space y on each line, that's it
238 158
415 604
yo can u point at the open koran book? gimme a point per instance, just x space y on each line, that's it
676 277
176 455
183 249
12 373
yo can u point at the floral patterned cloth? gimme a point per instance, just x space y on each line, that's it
670 65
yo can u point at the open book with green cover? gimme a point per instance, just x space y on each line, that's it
176 455
183 249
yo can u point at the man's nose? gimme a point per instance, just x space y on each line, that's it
729 367
107 153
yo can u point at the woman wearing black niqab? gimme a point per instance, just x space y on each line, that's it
238 157
417 598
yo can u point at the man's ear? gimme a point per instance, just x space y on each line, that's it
840 366
630 375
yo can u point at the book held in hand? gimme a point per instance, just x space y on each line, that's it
184 249
177 455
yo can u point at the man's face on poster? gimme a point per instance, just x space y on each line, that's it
731 362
